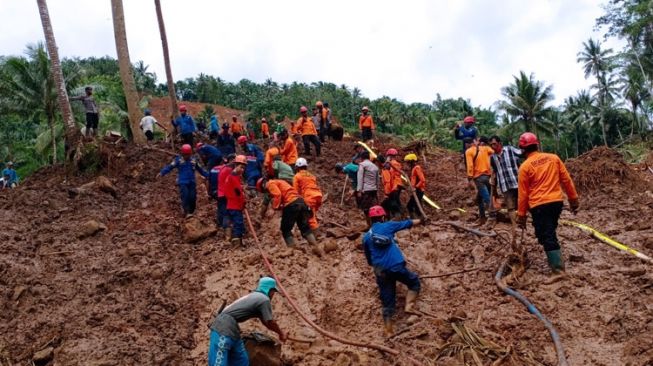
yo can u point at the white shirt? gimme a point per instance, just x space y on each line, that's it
147 123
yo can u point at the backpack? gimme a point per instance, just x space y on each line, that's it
379 241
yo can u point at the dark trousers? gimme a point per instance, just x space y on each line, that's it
236 135
545 222
367 200
387 279
366 133
412 205
324 132
308 139
187 138
295 213
149 135
221 212
234 218
188 197
392 203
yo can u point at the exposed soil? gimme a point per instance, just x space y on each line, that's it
137 294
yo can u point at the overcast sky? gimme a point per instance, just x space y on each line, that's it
409 49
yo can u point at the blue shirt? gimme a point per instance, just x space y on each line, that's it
351 170
390 256
463 132
186 170
226 144
213 180
209 152
255 159
13 177
185 124
213 127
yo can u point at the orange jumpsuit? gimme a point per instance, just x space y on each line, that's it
417 178
236 127
269 159
265 130
305 126
305 184
365 121
480 165
281 193
289 152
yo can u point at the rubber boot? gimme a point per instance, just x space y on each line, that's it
315 246
411 299
388 330
237 242
227 233
554 258
290 241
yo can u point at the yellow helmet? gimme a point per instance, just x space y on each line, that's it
410 157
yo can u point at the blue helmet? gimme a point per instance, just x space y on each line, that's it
147 112
266 284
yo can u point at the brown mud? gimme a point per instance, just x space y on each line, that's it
136 293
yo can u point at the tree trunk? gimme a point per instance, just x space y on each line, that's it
73 136
54 139
166 60
126 73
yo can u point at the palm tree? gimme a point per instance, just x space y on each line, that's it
526 101
126 74
598 63
166 58
581 113
73 136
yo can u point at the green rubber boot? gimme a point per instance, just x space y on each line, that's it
554 257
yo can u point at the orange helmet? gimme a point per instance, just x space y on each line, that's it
186 149
240 159
274 151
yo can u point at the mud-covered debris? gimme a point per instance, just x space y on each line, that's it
104 184
194 230
43 356
90 228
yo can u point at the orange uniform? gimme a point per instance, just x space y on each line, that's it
305 184
305 126
294 128
269 159
236 127
391 175
540 178
289 152
265 129
365 121
417 178
478 164
281 193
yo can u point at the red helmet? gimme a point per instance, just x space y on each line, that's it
259 184
391 152
376 211
240 159
527 139
242 140
186 149
303 109
199 145
182 108
469 119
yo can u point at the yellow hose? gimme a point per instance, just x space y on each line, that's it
606 239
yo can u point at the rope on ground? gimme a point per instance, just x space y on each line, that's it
562 360
295 307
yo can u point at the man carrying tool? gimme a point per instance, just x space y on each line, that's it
294 211
235 196
235 127
366 125
540 178
392 184
505 170
479 171
186 125
305 184
306 127
255 160
186 166
467 130
384 255
367 184
226 348
288 152
418 182
350 170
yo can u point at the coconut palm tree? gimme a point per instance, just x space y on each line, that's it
126 73
166 58
526 101
73 136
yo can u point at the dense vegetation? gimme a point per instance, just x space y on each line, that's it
617 110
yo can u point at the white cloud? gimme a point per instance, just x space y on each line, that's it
409 49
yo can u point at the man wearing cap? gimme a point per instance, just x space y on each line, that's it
10 176
366 125
226 347
467 130
186 125
186 166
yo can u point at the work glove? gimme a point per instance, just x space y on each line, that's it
574 205
521 221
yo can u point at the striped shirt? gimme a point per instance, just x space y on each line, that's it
506 167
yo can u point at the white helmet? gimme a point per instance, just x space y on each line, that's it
301 163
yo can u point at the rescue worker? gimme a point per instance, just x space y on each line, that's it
392 184
418 182
307 129
186 125
477 159
186 166
288 152
294 211
235 196
255 159
505 170
91 109
226 347
209 154
467 130
366 125
147 125
281 170
316 121
224 173
387 260
306 185
235 127
214 127
265 128
350 170
325 120
270 154
212 188
540 179
10 176
226 142
367 184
